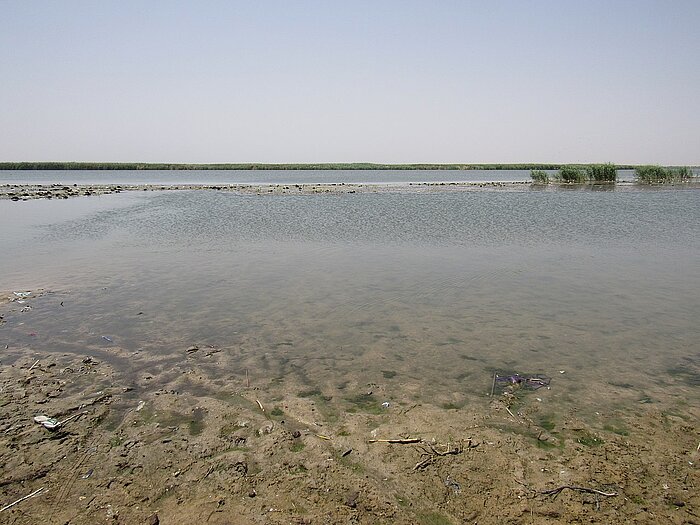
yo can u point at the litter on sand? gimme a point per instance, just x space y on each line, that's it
20 500
51 423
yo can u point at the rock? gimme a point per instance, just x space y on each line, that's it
351 499
192 349
296 434
153 520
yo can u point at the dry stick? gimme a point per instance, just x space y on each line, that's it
247 379
20 500
32 367
396 441
434 453
554 492
260 405
493 386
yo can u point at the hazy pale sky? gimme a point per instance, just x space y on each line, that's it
350 81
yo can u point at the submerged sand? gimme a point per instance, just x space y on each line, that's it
166 439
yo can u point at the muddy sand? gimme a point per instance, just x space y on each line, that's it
19 192
169 439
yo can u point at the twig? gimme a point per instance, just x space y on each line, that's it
555 492
20 500
396 441
247 379
32 367
493 386
511 413
431 452
260 405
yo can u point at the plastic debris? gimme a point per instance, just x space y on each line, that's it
20 500
385 404
53 424
22 295
532 382
107 339
140 406
452 484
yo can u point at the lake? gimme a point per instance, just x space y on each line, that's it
212 177
426 294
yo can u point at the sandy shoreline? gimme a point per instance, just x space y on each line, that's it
164 439
24 192
59 191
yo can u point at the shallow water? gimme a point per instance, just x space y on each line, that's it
422 295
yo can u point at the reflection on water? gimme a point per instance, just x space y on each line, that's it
423 293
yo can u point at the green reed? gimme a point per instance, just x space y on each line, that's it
539 177
602 172
660 175
572 173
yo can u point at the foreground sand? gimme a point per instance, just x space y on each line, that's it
164 439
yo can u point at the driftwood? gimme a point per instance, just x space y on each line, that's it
399 441
555 492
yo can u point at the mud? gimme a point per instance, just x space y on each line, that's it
162 438
23 192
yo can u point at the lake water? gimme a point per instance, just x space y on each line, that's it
212 177
423 294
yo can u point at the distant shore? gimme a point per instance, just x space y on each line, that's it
279 167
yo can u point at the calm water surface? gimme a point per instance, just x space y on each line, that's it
424 293
210 177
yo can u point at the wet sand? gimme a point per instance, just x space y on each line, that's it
24 192
164 438
19 192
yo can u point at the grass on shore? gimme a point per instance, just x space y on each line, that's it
578 174
659 174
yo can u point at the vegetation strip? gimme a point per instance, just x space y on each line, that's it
580 174
263 166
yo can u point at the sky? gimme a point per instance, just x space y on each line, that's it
350 81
